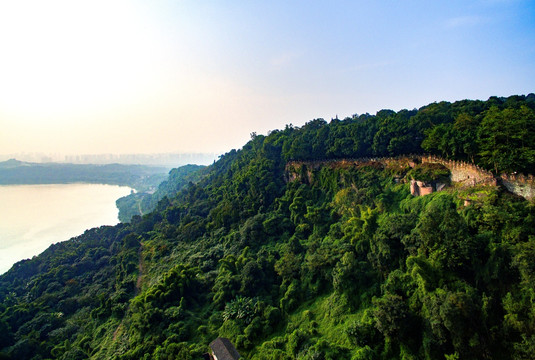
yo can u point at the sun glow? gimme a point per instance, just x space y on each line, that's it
129 76
60 57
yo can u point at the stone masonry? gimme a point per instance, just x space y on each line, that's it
462 173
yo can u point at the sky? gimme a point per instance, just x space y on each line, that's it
99 77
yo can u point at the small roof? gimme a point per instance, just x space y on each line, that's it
223 349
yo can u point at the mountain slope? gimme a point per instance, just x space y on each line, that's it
341 263
141 203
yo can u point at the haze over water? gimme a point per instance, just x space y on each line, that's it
32 217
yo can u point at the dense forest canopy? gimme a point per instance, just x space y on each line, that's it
346 266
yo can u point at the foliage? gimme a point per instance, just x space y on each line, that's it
430 172
341 264
141 203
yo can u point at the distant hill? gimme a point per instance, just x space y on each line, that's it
168 160
140 177
12 163
142 203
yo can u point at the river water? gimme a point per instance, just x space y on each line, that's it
32 217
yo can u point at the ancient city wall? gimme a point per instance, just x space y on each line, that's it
461 172
519 184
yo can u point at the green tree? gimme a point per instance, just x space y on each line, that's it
506 139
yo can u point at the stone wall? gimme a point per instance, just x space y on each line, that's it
462 173
519 184
420 188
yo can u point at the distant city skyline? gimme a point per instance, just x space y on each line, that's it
118 76
162 159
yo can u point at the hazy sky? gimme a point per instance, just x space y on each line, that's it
200 76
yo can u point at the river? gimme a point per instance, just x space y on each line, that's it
32 217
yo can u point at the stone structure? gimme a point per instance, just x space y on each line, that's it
420 188
222 349
462 173
519 184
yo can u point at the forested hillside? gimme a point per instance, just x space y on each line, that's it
142 203
344 264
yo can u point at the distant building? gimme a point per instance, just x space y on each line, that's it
222 349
